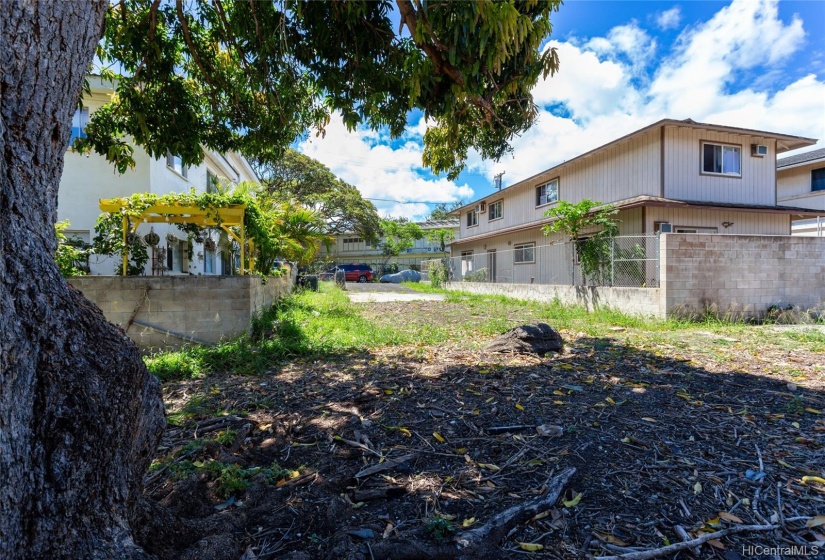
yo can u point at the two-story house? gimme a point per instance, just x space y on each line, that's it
350 248
801 182
88 178
671 176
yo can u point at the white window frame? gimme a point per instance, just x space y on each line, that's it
208 261
725 148
466 262
175 163
212 181
474 214
519 250
554 183
497 204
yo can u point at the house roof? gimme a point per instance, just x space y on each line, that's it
799 159
439 224
784 143
639 201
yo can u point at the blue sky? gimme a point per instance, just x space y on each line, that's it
624 64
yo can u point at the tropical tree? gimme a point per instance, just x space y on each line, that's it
590 225
441 237
398 235
443 210
299 177
80 415
299 233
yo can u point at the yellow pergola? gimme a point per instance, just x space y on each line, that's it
225 218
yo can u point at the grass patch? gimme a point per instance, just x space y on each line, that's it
325 324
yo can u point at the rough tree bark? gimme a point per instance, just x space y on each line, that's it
79 413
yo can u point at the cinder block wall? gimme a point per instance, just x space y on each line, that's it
168 312
634 301
740 276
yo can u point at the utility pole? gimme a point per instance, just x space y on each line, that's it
497 178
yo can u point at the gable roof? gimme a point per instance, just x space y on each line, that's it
800 159
784 143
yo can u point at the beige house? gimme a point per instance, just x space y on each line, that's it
672 176
88 178
349 248
801 182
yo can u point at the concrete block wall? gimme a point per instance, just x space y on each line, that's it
634 301
171 311
740 276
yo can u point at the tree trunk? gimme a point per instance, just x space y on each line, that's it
79 413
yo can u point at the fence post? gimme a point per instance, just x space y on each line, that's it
612 260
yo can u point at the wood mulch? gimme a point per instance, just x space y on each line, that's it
399 452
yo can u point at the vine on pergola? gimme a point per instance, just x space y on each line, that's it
239 214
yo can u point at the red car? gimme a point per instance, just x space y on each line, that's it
357 272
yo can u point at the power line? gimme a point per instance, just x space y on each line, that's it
405 201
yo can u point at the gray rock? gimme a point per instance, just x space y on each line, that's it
536 338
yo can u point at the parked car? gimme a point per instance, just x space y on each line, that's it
356 272
403 276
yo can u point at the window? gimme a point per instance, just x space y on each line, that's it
466 262
208 261
175 163
818 179
495 210
212 182
722 159
524 253
547 193
472 218
79 121
350 243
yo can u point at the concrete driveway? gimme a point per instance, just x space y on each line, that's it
376 292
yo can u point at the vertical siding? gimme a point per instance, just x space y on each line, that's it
794 187
684 180
757 223
623 171
631 222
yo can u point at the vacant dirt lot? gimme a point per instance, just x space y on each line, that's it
401 452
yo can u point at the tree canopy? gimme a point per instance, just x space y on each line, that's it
299 177
399 234
253 76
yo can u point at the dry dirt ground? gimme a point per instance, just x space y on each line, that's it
399 452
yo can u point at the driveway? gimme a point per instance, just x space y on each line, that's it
376 292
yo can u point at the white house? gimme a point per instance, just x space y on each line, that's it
801 182
88 178
350 248
674 175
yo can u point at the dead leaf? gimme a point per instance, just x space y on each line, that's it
468 522
439 437
697 488
729 517
518 406
816 521
530 547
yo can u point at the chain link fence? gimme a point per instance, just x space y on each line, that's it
626 261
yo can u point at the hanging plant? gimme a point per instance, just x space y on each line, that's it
209 244
171 238
152 239
132 238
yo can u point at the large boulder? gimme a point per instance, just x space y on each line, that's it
535 338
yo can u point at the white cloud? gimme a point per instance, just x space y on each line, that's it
607 87
606 99
669 19
364 159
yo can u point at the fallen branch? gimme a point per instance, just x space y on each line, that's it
481 542
664 551
499 525
385 466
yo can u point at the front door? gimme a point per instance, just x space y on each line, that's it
491 265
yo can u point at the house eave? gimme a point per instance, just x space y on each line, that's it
657 202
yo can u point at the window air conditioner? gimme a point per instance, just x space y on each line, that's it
759 150
665 227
